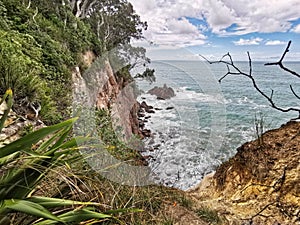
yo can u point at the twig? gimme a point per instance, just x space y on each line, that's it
294 93
280 64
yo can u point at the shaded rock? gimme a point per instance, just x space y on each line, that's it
156 147
145 106
162 93
169 108
146 133
150 111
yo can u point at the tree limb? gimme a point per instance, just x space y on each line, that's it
280 62
237 71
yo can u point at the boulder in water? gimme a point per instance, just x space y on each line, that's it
162 93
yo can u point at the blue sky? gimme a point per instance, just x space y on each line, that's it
181 29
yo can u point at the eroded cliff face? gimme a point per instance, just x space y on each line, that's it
98 87
260 184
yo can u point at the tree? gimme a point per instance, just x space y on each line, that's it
233 70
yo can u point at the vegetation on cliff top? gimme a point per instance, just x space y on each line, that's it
44 179
42 42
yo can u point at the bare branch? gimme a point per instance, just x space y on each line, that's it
232 69
280 62
250 64
296 95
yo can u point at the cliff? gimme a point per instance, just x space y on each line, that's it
260 184
99 87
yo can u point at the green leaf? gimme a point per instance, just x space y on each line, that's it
77 216
27 141
30 208
56 202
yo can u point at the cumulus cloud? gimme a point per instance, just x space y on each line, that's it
253 41
275 42
263 16
167 23
222 17
296 29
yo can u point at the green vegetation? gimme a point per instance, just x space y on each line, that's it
42 42
44 178
210 216
26 162
114 145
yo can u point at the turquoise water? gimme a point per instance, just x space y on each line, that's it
210 120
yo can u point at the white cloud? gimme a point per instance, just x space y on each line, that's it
296 29
275 42
253 41
167 23
261 16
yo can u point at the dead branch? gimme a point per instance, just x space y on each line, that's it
232 69
280 62
294 93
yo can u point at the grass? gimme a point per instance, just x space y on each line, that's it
208 215
47 180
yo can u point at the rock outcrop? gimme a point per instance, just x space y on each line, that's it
100 88
260 184
162 93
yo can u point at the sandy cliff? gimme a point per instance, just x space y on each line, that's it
260 184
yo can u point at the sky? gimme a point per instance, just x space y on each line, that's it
183 29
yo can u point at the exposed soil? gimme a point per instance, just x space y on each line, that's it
261 183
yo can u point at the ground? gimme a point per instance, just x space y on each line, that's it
260 184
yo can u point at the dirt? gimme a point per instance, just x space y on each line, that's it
260 184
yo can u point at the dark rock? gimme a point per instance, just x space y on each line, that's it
147 117
146 133
150 111
160 98
141 124
141 115
151 149
158 109
169 108
162 93
145 106
156 146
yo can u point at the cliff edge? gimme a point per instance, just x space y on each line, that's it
260 184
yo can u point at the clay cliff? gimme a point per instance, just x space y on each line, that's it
260 184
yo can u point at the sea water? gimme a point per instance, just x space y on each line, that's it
209 120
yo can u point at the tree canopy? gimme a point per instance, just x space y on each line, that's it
44 40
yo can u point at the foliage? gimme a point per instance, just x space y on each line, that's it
42 41
40 44
208 215
148 75
26 162
115 23
113 144
8 97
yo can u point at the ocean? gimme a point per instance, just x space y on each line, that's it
209 120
